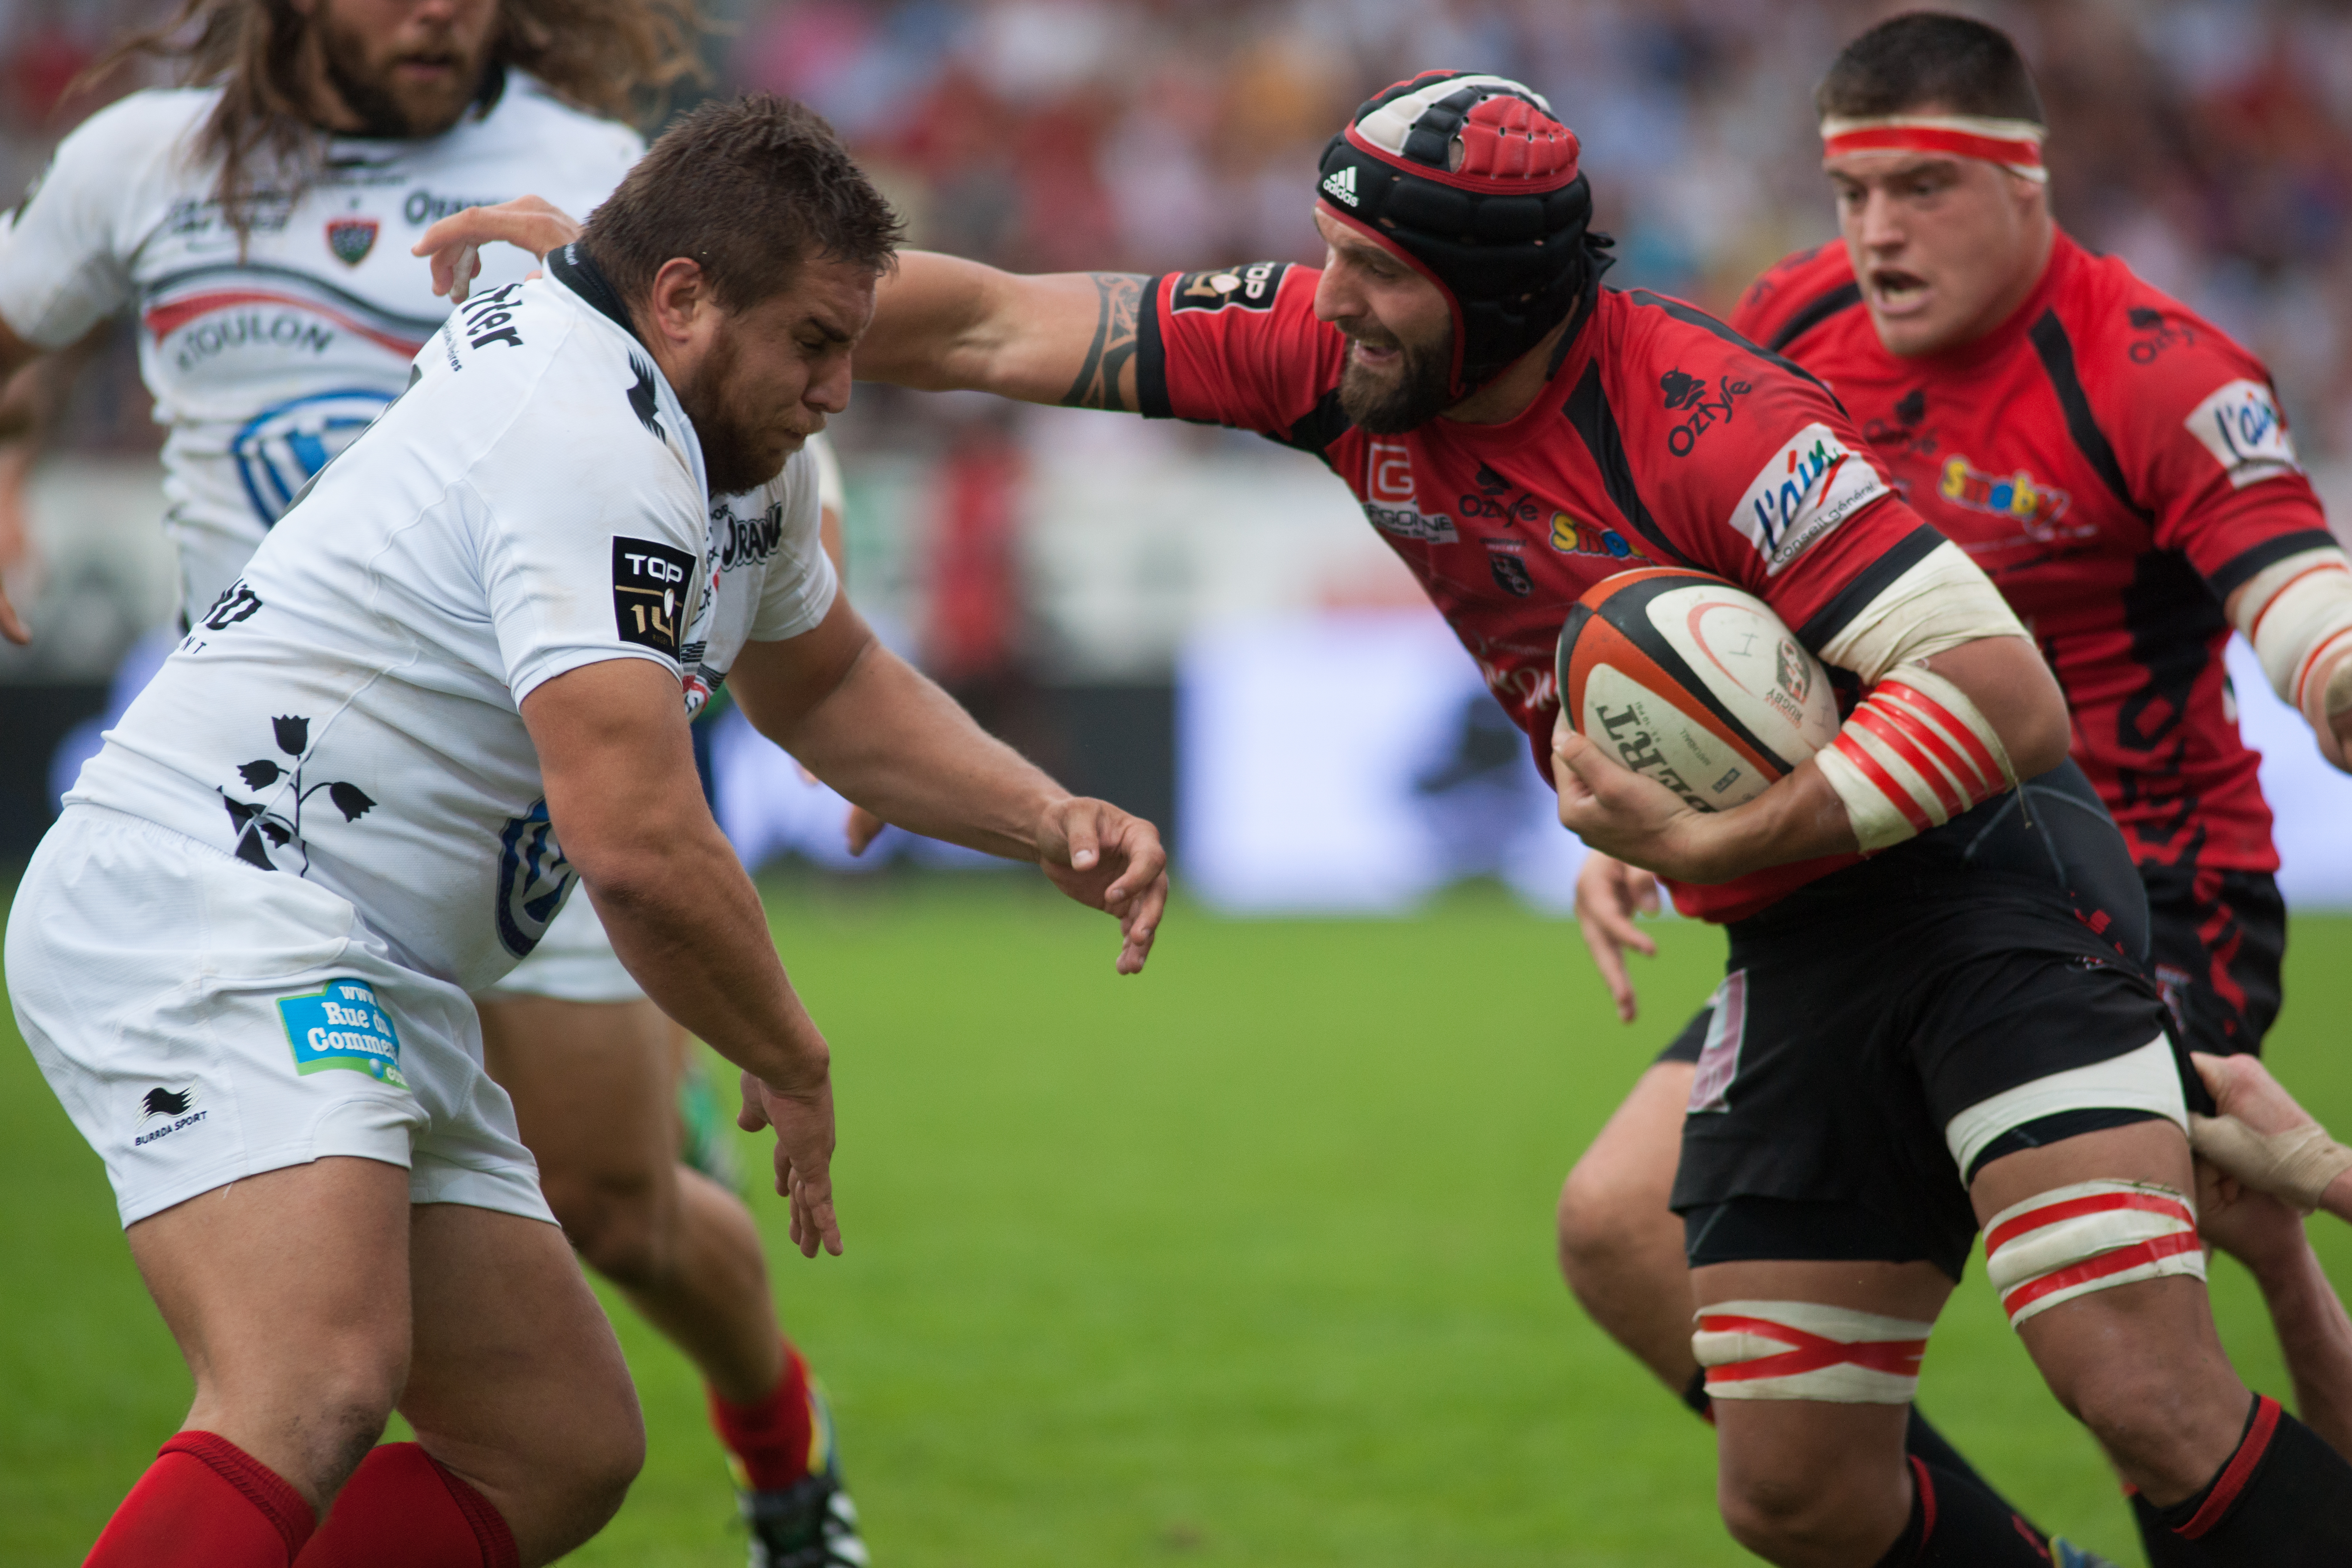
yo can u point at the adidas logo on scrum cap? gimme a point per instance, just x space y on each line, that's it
1343 185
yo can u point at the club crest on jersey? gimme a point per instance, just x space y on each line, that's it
2038 507
351 238
1510 573
1251 288
533 878
1391 502
2241 425
1805 490
1574 536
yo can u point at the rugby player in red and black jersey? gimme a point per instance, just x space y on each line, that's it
2119 468
1927 1030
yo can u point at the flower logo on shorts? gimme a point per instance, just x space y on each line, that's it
342 1025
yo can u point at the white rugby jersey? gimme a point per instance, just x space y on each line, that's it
266 364
348 712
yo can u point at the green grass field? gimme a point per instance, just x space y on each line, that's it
1247 1261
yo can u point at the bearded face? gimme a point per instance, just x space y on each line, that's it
1402 384
404 73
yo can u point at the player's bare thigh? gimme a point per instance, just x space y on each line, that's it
593 1088
2140 1364
1806 1481
1620 1246
516 1381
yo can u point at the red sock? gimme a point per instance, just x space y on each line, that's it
770 1438
205 1503
404 1509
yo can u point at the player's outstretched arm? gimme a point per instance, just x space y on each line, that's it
940 323
886 738
2265 1160
618 765
1638 820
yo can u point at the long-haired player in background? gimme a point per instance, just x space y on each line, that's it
259 222
2120 470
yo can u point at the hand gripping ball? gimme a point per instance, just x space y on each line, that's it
1694 681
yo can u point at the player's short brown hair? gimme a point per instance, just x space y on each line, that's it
749 189
1929 58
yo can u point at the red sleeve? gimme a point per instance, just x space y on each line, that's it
1795 295
1240 346
1750 469
2196 438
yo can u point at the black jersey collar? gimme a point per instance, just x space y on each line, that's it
574 267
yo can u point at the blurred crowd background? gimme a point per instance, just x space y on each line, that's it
1029 554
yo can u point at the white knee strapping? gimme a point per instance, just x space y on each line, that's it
2091 1236
1801 1350
2297 612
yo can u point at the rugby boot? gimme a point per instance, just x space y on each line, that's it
812 1523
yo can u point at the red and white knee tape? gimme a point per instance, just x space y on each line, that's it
2091 1236
1803 1350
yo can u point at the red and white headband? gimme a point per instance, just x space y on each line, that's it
2014 144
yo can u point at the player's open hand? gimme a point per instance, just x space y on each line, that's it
2252 1226
454 244
803 1117
1623 814
1107 860
1608 893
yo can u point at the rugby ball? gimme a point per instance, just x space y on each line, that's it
1694 681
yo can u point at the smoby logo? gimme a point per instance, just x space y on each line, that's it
2038 507
1805 490
341 1026
1574 536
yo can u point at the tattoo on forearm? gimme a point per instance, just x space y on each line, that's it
1121 294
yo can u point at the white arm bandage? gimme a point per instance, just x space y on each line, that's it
2297 612
2297 1165
1914 756
1943 601
1801 1350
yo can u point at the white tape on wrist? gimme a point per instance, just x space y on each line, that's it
2091 1236
2296 1166
2298 613
1943 601
1801 1350
1914 756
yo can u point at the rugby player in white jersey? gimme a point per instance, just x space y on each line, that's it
448 685
259 225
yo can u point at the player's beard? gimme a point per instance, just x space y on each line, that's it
735 457
383 105
1422 390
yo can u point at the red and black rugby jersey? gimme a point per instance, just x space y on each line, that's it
2118 467
1663 439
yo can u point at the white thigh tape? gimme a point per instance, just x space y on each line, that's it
2296 612
2091 1236
1801 1350
1941 602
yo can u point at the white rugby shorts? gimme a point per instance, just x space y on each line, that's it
574 961
205 1021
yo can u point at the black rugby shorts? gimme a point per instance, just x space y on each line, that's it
1857 1022
2217 941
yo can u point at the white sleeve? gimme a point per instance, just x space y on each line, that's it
590 547
64 262
801 585
830 493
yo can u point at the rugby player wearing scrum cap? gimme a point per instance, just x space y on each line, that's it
2119 467
1457 346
